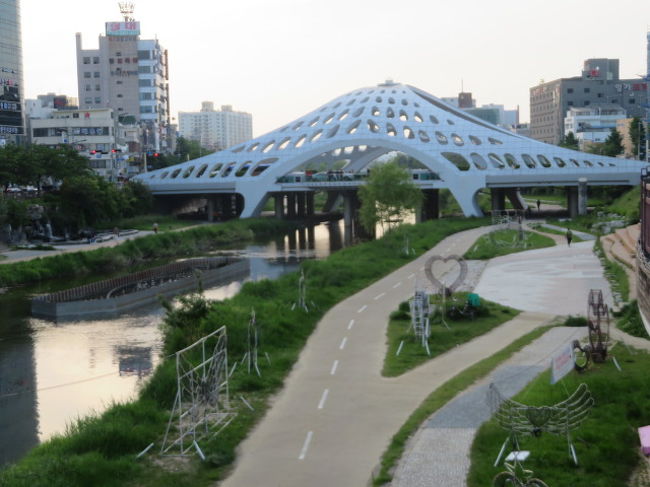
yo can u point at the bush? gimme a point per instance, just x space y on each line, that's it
575 321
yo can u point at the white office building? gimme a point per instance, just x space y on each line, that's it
592 124
216 129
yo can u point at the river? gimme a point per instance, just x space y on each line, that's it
52 373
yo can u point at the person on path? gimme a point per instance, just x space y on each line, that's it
155 228
539 205
569 236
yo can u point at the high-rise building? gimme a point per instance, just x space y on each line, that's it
599 83
216 129
11 72
129 75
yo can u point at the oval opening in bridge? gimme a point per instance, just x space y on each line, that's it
457 160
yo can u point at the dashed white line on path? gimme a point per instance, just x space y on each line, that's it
362 309
343 342
351 324
323 398
411 276
397 285
305 446
334 367
379 296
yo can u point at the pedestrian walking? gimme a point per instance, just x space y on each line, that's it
539 205
155 228
569 236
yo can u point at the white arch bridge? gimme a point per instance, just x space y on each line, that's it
459 152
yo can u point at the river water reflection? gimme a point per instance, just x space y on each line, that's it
53 373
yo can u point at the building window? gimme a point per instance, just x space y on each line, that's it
570 103
96 60
569 91
144 55
98 100
97 88
111 61
600 95
146 96
86 60
118 82
75 115
135 60
145 109
587 90
144 69
587 102
118 53
88 101
88 88
127 60
119 60
119 95
631 101
96 74
87 74
145 82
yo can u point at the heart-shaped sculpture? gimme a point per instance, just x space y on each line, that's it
462 274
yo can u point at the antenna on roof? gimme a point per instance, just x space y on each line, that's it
126 9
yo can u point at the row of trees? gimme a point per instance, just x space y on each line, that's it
76 196
613 145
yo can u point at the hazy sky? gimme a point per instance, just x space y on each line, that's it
280 59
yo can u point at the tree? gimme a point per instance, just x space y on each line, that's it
613 145
387 197
638 137
569 141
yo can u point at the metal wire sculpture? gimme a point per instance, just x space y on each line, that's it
598 322
202 404
516 476
437 284
253 342
420 311
559 419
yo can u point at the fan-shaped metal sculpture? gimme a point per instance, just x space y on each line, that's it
598 324
202 404
559 419
420 311
459 151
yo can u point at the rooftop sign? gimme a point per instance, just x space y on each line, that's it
122 28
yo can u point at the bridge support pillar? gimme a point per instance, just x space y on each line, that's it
515 198
430 209
582 196
302 204
291 205
348 210
279 206
572 201
210 209
238 204
498 197
310 203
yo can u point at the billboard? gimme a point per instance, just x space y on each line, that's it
122 28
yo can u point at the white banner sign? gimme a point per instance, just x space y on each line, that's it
562 363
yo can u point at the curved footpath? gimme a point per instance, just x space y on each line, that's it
336 414
555 278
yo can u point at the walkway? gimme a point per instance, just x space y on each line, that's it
336 414
553 280
438 455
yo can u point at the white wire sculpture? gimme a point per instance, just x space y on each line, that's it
253 341
302 294
202 405
420 311
559 419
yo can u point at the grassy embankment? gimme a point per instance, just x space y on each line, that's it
461 329
501 242
165 223
607 444
100 451
441 396
137 252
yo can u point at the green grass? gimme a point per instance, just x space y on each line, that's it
490 245
442 339
607 444
629 320
441 396
108 447
614 272
165 223
627 205
580 223
544 229
136 253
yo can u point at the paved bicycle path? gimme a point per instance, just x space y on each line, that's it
336 414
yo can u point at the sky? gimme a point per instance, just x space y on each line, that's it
281 59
